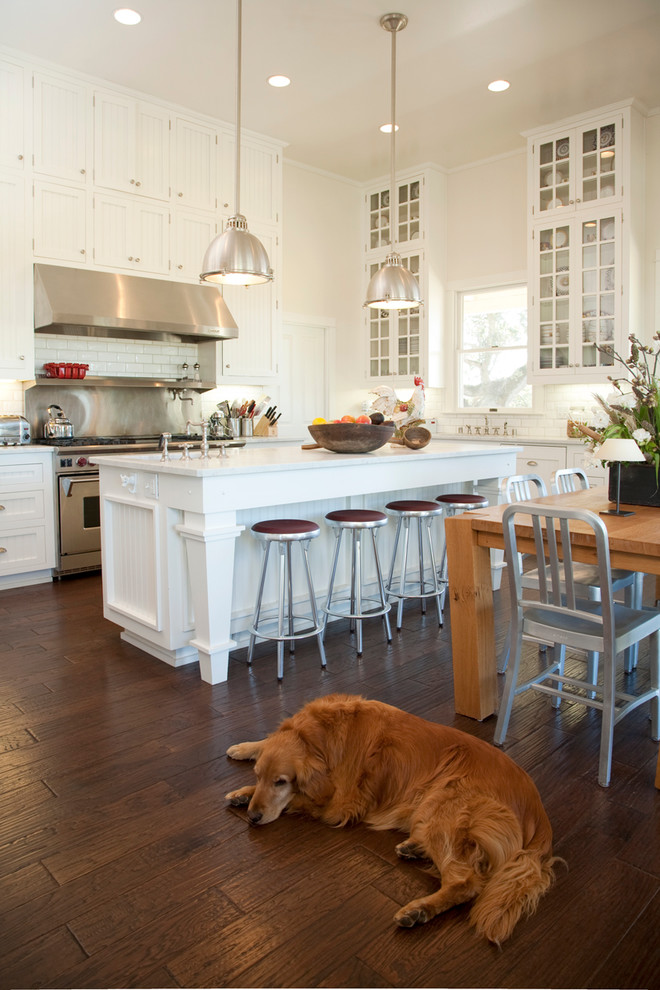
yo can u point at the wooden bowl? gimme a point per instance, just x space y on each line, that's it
416 437
351 438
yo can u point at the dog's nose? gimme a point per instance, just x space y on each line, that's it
254 817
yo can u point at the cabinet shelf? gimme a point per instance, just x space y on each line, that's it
126 382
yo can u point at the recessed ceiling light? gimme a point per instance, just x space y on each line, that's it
279 81
127 16
387 128
498 86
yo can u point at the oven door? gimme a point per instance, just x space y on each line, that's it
80 519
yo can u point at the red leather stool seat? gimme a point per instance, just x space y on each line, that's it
287 529
414 505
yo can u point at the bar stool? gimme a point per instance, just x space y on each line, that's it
356 522
286 532
424 512
452 504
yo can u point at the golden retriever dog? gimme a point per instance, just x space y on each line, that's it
465 806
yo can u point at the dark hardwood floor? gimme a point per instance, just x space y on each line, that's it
121 865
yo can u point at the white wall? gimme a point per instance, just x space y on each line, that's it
322 267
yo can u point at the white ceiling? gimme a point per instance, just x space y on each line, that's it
561 57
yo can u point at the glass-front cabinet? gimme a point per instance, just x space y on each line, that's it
579 167
407 215
395 335
576 295
586 210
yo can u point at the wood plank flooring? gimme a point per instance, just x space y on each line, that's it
121 866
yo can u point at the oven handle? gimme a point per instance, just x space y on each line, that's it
68 483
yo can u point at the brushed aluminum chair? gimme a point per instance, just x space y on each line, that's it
563 618
526 487
568 480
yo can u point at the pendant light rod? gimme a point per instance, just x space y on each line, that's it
393 23
239 75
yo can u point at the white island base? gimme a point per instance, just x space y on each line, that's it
180 567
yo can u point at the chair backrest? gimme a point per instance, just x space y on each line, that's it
568 480
522 487
549 529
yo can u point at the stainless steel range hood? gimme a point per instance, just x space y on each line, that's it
101 304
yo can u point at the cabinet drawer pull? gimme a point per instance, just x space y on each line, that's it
532 463
1 508
3 549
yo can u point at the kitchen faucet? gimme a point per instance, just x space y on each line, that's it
204 446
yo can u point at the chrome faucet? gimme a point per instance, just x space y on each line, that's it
204 446
486 429
164 437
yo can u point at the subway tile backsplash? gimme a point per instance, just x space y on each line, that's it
116 358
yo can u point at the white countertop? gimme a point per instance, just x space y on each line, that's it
258 460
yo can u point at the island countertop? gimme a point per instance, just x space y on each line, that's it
179 563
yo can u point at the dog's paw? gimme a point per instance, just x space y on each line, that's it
410 916
244 751
408 849
241 797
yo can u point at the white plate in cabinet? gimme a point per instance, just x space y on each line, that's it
131 145
61 108
132 234
60 221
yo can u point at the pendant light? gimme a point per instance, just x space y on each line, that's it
237 257
393 286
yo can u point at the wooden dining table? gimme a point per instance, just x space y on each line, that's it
634 542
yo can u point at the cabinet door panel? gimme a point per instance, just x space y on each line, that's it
152 238
12 115
112 219
16 325
195 164
253 352
152 155
60 125
193 232
114 141
60 217
259 179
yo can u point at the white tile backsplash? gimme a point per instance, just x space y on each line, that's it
113 357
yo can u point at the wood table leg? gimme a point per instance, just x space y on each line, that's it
472 630
657 772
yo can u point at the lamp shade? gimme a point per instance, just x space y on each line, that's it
236 257
618 449
393 286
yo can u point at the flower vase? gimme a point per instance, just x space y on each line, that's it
639 485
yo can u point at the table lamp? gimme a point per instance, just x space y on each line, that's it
616 450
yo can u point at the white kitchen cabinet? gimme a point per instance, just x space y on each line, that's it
16 323
261 179
131 145
586 219
253 355
61 125
195 166
132 234
577 294
192 232
580 166
27 525
60 222
541 459
13 118
597 474
405 343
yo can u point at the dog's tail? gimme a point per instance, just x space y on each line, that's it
511 891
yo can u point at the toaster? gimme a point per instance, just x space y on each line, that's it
14 430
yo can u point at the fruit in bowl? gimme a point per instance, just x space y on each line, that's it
351 437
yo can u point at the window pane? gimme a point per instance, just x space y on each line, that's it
493 347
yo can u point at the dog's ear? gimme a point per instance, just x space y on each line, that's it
312 771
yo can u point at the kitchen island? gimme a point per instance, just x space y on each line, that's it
180 566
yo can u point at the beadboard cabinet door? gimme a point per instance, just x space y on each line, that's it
261 179
60 129
131 234
16 324
195 164
131 145
191 235
60 222
13 136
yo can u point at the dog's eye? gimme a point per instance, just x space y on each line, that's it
280 782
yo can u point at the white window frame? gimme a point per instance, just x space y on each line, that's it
457 289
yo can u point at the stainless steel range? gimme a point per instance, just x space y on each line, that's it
120 410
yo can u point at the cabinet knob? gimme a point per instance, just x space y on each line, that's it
1 508
179 195
82 250
578 200
21 357
226 205
130 257
138 183
227 366
20 158
83 171
132 181
179 267
137 260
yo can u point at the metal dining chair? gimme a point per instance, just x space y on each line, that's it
566 480
526 487
563 618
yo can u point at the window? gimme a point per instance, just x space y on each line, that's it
492 348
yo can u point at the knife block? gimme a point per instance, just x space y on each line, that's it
265 429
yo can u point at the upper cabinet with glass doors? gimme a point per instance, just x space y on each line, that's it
586 212
404 343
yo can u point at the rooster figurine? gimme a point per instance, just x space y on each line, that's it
402 414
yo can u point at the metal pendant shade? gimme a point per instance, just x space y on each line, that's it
237 257
393 286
